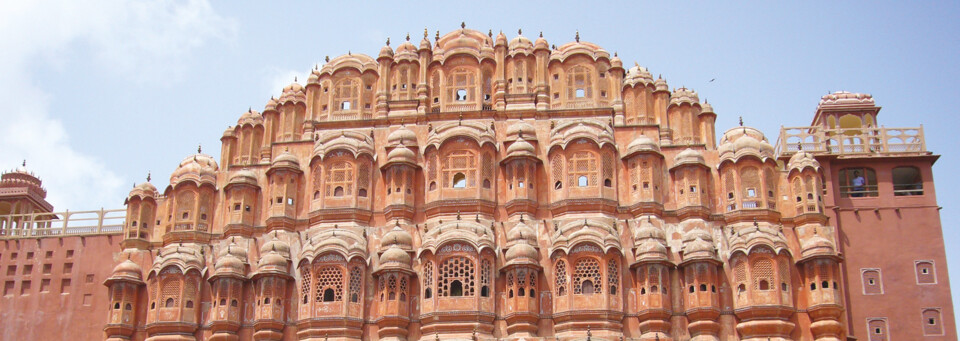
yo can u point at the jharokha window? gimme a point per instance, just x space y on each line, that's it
461 85
561 274
330 284
579 83
582 169
455 277
858 182
340 177
460 169
346 95
586 277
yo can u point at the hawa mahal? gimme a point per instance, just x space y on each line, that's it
477 187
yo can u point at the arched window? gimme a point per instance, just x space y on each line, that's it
355 281
305 283
456 277
561 280
583 168
907 181
346 95
587 274
328 295
579 83
462 85
556 165
340 177
460 169
858 182
762 273
329 284
428 279
485 278
613 276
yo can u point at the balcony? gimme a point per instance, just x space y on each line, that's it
62 224
852 142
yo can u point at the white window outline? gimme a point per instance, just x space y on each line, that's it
923 321
863 284
933 266
885 324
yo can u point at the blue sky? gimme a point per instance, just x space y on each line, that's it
97 93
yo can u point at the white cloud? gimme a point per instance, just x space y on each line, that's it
149 37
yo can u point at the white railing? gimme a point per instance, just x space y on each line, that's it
62 224
851 141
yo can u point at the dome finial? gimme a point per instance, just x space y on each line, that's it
520 31
294 79
24 163
463 24
741 121
577 37
436 36
408 36
388 40
490 32
541 34
521 217
326 59
148 176
199 148
799 146
425 33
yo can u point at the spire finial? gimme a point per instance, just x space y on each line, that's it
520 31
408 36
463 24
294 79
541 34
388 41
24 163
437 36
799 146
741 121
577 37
490 32
148 176
326 59
199 148
425 33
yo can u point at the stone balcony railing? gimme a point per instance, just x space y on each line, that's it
853 142
62 224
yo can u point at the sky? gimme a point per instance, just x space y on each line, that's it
97 93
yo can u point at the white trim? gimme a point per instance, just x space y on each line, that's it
933 267
863 284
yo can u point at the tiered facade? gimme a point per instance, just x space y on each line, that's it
473 187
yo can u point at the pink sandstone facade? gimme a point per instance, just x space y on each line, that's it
478 188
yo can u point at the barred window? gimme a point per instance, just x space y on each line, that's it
608 169
432 169
346 94
329 284
363 179
561 280
460 169
455 277
762 273
488 166
557 165
613 275
403 288
485 278
586 277
340 176
305 283
355 281
583 169
392 288
579 83
428 279
461 85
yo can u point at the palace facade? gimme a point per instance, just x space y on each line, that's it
477 187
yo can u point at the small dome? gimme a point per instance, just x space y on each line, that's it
272 260
271 105
395 256
741 141
801 160
661 84
385 52
520 44
815 246
228 132
688 156
128 270
615 62
706 108
401 154
648 230
397 236
638 75
541 44
642 144
314 77
293 93
228 264
425 43
251 117
143 190
521 129
243 177
700 247
521 232
521 251
199 167
275 245
846 98
501 39
407 46
286 160
684 96
521 148
402 136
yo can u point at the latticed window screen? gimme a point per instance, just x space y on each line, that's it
521 278
750 179
557 167
190 287
346 90
533 279
654 278
403 288
330 277
762 271
363 176
740 271
356 275
432 165
462 79
392 287
488 165
381 288
579 78
305 283
561 280
608 166
456 269
170 288
317 172
770 181
236 289
728 184
185 203
340 174
427 275
485 272
510 279
613 275
587 269
266 288
460 161
583 164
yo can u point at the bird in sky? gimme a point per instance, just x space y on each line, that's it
711 80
